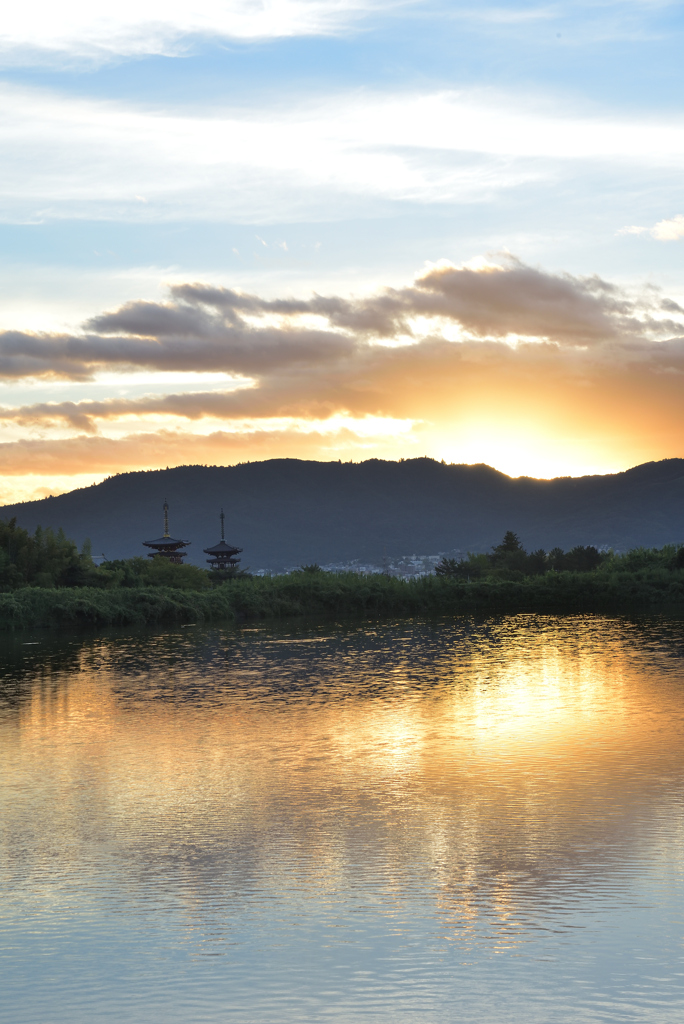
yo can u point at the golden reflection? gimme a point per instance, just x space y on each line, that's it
480 765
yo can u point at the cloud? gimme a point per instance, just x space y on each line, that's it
499 300
461 351
103 455
517 299
210 329
39 31
664 231
298 158
669 230
472 402
241 350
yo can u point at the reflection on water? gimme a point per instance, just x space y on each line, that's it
416 821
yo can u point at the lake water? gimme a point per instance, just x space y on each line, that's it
446 821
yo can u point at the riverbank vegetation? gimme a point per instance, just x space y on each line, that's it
46 581
509 560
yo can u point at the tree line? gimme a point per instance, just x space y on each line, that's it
510 561
41 559
48 559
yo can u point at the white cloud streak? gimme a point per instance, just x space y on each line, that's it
40 31
67 157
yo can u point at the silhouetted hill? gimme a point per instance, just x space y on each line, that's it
285 512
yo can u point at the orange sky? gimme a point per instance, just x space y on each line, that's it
532 372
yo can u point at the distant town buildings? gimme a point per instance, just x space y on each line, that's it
405 567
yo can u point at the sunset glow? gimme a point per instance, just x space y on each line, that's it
216 252
543 374
341 530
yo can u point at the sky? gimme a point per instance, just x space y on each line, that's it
339 229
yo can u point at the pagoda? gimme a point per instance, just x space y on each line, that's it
222 554
166 546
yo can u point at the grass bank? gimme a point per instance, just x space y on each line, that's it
319 593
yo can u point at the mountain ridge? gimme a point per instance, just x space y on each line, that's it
285 512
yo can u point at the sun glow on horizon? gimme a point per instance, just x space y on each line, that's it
534 373
527 452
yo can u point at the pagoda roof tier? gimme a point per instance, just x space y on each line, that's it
222 549
166 542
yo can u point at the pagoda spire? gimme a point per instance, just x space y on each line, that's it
223 558
167 546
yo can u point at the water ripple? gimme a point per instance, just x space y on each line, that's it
417 821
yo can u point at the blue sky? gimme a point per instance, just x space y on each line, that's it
286 148
581 65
